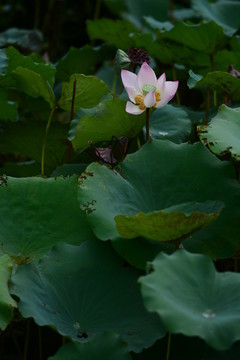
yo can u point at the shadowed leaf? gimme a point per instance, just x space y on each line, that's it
85 291
107 346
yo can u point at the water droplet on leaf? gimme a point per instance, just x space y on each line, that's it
208 314
163 133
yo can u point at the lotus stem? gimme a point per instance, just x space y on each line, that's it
72 116
138 142
96 16
97 9
27 338
207 106
45 140
236 263
114 83
214 91
168 346
37 13
215 98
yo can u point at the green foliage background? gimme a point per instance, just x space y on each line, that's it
137 259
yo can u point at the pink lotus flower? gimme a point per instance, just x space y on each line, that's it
145 90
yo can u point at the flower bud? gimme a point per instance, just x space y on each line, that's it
234 72
122 60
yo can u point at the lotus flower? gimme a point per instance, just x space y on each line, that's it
145 90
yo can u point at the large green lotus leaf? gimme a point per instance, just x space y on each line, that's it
196 36
89 91
25 139
158 176
208 306
222 135
170 122
172 224
109 119
84 291
223 12
113 32
33 84
220 81
15 59
37 213
8 108
7 304
75 61
25 39
107 346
